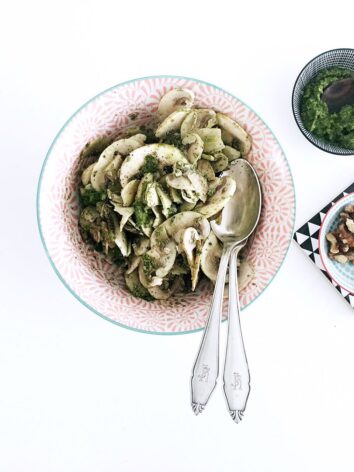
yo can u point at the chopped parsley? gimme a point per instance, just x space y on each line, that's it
149 265
175 139
150 165
143 214
89 196
141 292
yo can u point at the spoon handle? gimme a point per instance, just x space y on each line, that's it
206 367
236 372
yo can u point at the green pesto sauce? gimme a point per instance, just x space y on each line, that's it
142 213
150 165
89 196
149 265
335 128
175 139
141 292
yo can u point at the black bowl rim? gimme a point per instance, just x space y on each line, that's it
322 148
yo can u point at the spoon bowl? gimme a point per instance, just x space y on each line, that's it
338 94
241 214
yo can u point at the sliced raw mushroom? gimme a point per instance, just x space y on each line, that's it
144 182
224 191
173 100
197 119
200 185
221 162
239 134
166 202
189 196
188 206
193 186
231 153
95 148
114 196
181 182
133 264
98 179
141 246
129 191
212 139
173 227
86 175
190 244
157 262
120 239
171 123
208 157
135 287
111 171
147 230
125 213
175 195
151 197
160 293
126 145
165 154
147 282
164 257
195 147
206 169
210 257
158 216
226 137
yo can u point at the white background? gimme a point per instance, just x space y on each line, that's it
78 393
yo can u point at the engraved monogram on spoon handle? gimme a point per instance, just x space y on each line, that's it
236 373
206 367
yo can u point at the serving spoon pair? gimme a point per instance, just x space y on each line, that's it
239 219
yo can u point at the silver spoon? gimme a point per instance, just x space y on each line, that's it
338 94
238 221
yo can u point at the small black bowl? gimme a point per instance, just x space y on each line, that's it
342 57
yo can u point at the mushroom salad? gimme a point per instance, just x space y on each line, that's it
147 197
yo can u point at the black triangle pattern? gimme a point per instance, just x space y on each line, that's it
306 244
304 230
316 220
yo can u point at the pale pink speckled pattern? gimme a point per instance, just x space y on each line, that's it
98 283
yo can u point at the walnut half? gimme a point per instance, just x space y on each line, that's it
333 241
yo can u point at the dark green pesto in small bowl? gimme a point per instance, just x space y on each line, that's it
335 128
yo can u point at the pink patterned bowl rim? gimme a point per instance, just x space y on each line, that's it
98 284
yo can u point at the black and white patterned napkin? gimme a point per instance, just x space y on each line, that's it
307 238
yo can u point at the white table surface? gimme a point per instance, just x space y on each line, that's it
78 393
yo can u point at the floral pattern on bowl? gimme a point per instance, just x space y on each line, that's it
99 284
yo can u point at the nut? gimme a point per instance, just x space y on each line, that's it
342 259
349 208
333 241
350 224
